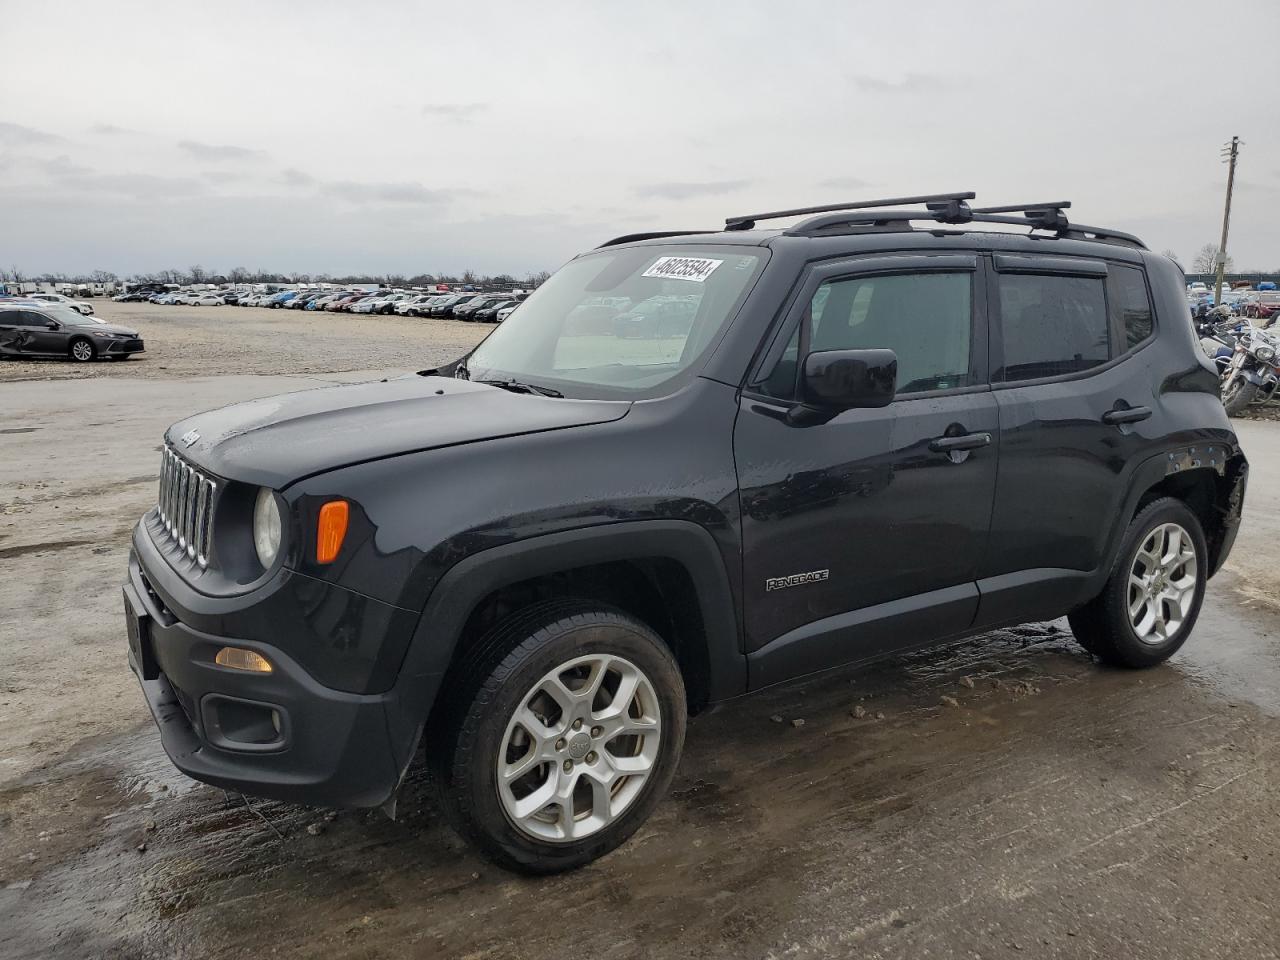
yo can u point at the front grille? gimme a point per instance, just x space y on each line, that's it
132 345
186 506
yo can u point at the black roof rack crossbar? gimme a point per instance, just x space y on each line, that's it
748 221
635 237
1023 207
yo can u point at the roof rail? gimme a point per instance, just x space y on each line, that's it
1037 216
635 237
748 221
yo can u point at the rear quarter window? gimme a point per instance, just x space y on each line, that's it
1130 305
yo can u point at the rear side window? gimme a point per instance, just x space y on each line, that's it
1130 304
1052 325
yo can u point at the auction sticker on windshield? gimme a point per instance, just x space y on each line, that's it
696 269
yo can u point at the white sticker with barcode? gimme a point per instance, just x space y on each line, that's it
696 269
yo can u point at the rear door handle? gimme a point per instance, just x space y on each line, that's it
1126 415
966 441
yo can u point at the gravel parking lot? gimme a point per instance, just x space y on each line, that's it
210 341
1000 797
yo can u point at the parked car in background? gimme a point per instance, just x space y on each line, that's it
446 307
80 306
417 306
468 310
207 300
1263 305
56 330
337 303
489 312
506 312
278 300
139 297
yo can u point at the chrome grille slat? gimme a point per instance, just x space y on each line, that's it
185 506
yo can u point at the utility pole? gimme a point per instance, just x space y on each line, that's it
1230 152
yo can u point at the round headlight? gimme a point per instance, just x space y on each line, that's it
266 527
1264 352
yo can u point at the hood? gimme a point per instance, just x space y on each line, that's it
104 328
278 440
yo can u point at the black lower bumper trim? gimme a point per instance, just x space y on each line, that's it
336 749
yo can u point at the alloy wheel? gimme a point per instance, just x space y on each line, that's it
82 350
579 748
1162 583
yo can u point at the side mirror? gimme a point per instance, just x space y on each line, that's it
53 325
842 379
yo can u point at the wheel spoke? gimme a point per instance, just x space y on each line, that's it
530 804
620 703
514 771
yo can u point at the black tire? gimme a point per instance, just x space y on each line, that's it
498 675
1238 394
1103 626
76 351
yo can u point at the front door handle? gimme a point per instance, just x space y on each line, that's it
1126 415
966 441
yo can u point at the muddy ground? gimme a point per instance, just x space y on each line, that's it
1048 808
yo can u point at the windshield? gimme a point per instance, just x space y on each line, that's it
620 323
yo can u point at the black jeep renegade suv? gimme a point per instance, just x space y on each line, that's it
871 431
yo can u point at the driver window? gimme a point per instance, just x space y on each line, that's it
925 318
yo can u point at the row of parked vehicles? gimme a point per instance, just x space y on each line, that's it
1256 303
493 307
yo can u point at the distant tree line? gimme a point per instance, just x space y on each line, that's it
199 274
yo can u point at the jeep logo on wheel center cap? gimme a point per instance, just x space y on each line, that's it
579 746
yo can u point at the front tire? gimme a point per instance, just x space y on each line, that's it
563 734
1151 601
82 350
1238 394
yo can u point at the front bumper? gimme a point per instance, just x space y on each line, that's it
117 348
331 748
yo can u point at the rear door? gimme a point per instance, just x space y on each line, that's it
1074 393
862 535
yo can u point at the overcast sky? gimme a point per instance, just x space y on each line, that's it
505 137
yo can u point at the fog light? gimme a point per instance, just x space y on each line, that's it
240 659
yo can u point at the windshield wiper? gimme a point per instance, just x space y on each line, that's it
516 386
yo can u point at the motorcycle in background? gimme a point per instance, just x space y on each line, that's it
1247 360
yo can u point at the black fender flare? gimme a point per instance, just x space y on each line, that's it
1209 456
467 582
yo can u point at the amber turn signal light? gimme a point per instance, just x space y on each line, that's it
331 529
239 658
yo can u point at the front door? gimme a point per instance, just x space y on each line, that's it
863 535
45 335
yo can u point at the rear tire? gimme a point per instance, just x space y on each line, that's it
537 757
1152 598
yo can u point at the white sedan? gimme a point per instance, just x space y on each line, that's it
207 300
77 305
